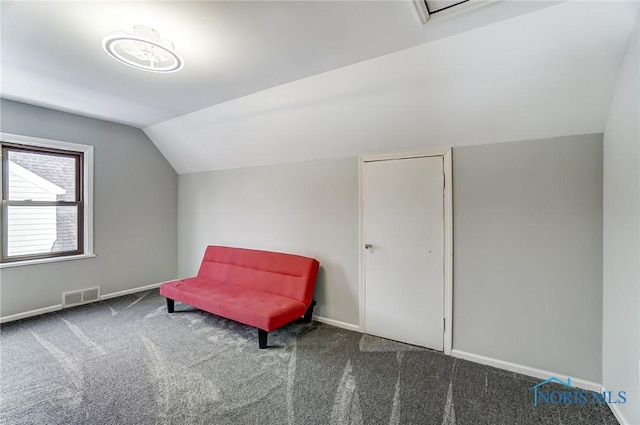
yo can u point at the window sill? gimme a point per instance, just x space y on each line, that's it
45 260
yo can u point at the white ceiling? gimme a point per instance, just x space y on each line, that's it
548 73
267 82
52 54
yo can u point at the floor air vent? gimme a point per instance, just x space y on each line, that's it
83 296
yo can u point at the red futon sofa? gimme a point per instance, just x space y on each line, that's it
258 288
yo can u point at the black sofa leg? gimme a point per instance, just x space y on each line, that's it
308 315
262 338
170 305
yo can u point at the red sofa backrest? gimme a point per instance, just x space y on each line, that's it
291 276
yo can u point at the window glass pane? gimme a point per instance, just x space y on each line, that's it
437 5
41 177
66 229
41 230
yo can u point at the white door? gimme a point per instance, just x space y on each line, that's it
403 230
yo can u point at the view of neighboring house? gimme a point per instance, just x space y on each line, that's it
53 233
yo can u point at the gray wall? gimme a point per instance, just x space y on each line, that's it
527 249
308 208
528 253
135 212
621 278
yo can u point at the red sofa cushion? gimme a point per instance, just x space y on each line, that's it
288 275
255 308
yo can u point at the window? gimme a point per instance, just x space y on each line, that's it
435 6
426 8
45 213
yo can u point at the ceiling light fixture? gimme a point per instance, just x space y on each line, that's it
143 49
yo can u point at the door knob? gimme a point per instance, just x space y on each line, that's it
368 246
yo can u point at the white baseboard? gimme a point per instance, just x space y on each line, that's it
617 413
58 307
337 323
526 370
130 291
31 313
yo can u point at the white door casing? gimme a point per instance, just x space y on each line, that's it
405 216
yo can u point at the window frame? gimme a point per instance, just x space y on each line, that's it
84 197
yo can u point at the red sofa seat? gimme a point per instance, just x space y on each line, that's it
263 289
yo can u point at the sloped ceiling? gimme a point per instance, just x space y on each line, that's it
269 81
52 54
547 73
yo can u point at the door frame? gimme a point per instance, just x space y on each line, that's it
445 153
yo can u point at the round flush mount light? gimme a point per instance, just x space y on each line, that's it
143 49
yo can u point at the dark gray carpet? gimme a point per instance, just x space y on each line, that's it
126 361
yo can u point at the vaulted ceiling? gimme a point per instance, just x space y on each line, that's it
271 81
